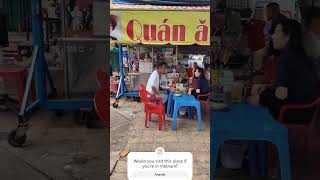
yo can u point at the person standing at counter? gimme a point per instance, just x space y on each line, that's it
195 67
153 84
271 58
273 16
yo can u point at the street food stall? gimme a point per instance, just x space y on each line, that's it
145 35
88 40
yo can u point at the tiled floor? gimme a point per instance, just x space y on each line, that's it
140 139
128 133
56 148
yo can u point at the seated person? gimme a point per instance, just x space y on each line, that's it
202 85
296 80
153 84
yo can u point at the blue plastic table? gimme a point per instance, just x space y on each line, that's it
244 122
185 101
170 106
169 103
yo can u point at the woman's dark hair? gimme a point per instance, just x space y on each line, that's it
202 73
293 29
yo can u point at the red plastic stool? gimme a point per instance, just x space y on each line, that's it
152 105
102 105
19 74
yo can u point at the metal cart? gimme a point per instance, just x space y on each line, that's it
122 89
38 72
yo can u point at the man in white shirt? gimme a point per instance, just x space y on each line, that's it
312 37
153 84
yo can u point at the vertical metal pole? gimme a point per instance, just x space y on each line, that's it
176 54
152 57
37 32
122 83
62 17
65 51
120 60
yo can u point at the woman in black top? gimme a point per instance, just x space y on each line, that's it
202 84
296 80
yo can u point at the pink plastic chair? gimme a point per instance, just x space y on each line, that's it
102 78
206 102
101 105
18 75
309 128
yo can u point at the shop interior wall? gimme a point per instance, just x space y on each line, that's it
84 58
18 13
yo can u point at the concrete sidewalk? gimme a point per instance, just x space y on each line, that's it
131 135
128 133
15 168
56 149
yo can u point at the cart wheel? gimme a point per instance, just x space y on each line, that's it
115 105
16 141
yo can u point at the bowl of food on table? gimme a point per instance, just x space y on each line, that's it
178 93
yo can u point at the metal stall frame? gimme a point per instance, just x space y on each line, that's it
121 92
38 71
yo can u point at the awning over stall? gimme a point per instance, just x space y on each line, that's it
166 2
160 27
